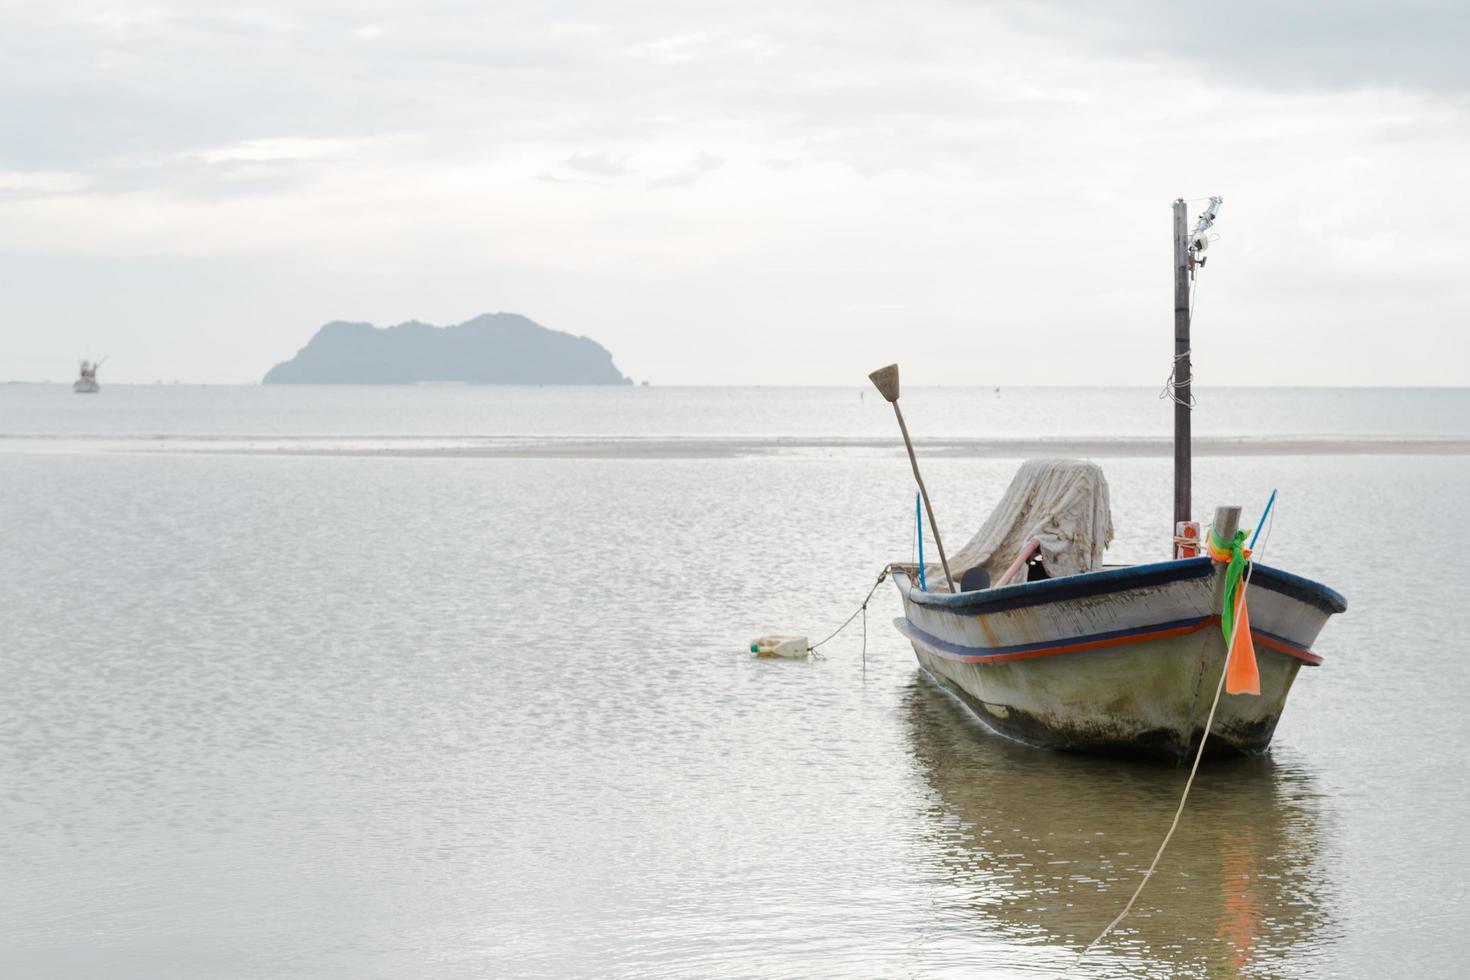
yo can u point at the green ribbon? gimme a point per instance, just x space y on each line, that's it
1233 573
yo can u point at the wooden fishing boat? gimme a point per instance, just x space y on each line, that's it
1118 660
1066 652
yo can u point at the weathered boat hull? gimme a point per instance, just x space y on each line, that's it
1122 660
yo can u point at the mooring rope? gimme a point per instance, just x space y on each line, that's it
1198 755
861 610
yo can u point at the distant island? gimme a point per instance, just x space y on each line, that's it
491 349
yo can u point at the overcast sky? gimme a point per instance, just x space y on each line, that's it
749 192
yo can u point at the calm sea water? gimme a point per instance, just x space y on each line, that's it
342 716
426 412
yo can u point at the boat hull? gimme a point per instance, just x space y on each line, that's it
1120 661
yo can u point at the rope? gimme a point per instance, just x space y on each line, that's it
1198 755
859 611
1172 386
1171 389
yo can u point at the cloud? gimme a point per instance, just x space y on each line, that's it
279 150
702 164
37 183
978 178
670 50
1345 44
597 164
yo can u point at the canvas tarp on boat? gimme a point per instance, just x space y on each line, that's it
1063 503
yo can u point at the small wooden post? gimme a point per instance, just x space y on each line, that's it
1182 446
1227 522
886 381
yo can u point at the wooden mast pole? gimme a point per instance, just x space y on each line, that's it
1183 457
886 381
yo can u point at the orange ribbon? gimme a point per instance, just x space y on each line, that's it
1242 675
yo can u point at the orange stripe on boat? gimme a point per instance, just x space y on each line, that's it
1280 645
1100 644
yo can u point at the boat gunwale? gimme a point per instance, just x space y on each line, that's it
1110 580
1096 642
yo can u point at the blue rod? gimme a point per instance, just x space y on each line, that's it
1262 522
919 525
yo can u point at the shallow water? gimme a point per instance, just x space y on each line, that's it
434 411
344 716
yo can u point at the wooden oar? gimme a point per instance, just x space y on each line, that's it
886 381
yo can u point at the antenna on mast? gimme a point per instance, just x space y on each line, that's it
1199 239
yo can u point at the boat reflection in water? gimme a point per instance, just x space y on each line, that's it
1048 846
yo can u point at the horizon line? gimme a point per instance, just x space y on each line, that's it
176 382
